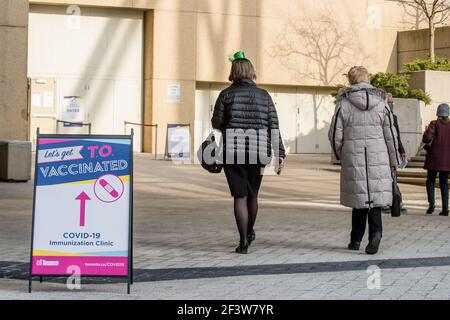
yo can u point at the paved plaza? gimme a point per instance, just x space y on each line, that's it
185 235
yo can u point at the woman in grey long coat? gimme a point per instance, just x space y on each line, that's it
363 138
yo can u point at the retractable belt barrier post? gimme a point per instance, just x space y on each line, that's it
144 125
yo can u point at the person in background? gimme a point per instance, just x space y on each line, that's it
247 118
363 137
401 149
437 136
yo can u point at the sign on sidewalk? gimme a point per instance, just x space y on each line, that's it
178 141
82 210
73 111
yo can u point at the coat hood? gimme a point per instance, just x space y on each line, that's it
363 96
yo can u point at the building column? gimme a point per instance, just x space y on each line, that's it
13 69
170 59
148 136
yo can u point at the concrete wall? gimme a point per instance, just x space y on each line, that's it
13 69
412 117
179 5
436 83
189 41
97 56
283 39
415 45
270 31
192 41
173 54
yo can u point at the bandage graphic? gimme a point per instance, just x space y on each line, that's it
113 192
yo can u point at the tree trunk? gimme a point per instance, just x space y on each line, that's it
432 34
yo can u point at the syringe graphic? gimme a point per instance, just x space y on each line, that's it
113 192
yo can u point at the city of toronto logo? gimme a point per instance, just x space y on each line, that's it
47 263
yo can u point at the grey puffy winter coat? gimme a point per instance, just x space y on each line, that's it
363 138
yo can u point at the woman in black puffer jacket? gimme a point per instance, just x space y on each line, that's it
246 116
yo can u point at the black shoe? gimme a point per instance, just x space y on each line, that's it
386 209
430 209
354 246
444 212
374 244
242 248
251 237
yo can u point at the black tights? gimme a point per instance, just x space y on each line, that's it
245 211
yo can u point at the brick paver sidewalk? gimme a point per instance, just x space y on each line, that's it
185 236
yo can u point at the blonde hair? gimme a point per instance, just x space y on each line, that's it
358 74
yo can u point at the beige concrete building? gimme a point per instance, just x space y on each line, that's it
13 69
416 43
165 61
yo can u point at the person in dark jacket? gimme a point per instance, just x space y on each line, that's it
247 118
401 149
437 137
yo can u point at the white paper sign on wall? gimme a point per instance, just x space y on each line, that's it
73 109
173 92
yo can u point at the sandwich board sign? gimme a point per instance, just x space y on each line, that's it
73 111
178 142
82 206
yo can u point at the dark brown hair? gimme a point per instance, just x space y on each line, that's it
242 69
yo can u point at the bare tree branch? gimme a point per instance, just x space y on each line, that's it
411 10
437 12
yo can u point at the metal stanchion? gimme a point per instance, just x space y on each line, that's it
144 125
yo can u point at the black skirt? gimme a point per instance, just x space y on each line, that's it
244 179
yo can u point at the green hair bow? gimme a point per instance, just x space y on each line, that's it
240 55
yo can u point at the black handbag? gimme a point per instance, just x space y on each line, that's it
208 156
396 208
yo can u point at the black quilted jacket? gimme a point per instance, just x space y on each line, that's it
250 110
